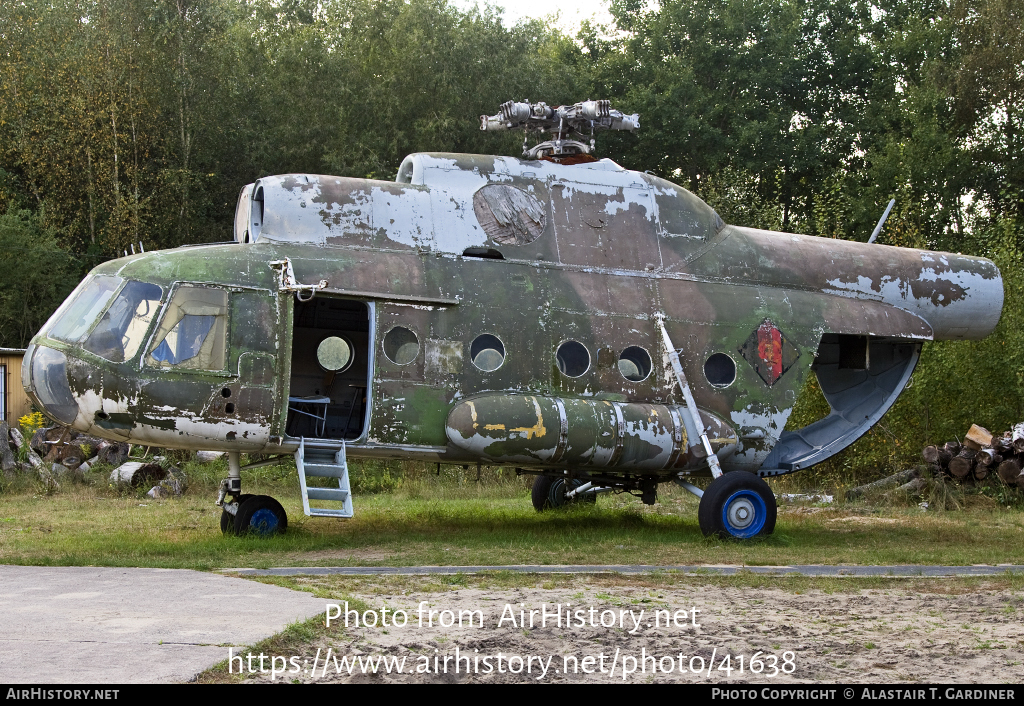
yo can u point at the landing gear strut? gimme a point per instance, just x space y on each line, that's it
550 491
247 514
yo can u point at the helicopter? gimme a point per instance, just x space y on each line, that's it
598 328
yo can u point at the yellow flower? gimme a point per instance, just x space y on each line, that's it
30 422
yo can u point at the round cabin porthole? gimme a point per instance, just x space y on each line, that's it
635 363
573 359
720 370
334 354
487 352
401 346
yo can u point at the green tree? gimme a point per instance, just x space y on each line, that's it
36 275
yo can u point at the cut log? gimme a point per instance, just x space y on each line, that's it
987 457
8 462
1003 444
979 436
962 464
58 442
89 445
47 477
1017 435
953 448
137 473
936 455
914 487
114 454
888 482
981 472
38 440
19 441
1009 470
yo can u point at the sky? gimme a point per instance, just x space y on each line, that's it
571 12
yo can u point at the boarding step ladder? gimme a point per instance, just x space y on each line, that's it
322 459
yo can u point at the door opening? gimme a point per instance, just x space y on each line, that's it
330 369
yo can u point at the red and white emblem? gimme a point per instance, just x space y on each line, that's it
769 352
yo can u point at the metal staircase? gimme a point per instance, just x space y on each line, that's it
324 459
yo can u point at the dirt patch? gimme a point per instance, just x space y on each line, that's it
802 510
858 636
863 520
342 557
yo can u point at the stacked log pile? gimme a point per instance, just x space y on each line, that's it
56 453
55 450
981 455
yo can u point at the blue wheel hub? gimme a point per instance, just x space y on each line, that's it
744 514
263 521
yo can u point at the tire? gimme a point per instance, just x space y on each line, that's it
227 520
549 492
262 516
737 505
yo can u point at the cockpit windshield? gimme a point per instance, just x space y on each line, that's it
120 331
74 322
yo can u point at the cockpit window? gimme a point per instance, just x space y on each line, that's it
119 333
73 323
192 332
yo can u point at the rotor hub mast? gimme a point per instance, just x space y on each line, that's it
567 125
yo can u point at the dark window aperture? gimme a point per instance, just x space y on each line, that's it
120 331
192 334
487 352
635 363
720 370
401 346
573 359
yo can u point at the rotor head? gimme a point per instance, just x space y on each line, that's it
564 123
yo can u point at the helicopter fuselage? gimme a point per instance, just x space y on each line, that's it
501 311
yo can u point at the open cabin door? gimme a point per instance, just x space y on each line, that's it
330 365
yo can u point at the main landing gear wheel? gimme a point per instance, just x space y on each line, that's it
260 515
737 505
549 492
227 520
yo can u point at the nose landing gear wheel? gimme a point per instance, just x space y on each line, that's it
737 505
260 515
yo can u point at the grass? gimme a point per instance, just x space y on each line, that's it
453 520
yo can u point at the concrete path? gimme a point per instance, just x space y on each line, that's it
906 570
105 625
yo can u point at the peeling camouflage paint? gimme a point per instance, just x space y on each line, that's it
589 253
581 433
